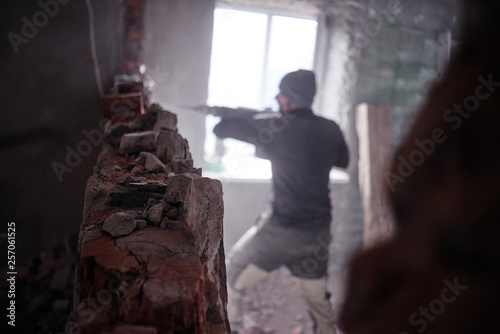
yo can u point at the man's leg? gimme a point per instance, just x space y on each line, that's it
250 275
242 272
320 308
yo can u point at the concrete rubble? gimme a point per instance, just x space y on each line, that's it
150 250
45 298
136 142
119 224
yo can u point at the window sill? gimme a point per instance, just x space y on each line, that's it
337 176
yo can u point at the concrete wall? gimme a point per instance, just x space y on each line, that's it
385 54
243 202
177 47
336 101
399 54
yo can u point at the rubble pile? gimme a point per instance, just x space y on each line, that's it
46 290
150 250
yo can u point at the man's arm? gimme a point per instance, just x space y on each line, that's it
238 123
235 128
229 113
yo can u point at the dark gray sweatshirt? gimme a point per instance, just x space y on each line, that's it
302 148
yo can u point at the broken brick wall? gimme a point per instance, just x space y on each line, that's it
151 256
49 97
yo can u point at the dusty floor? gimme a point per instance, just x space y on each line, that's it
274 305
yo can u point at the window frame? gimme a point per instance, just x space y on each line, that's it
320 45
318 60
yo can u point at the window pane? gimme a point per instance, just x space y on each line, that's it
237 58
291 47
238 47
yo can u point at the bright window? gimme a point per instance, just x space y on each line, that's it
251 51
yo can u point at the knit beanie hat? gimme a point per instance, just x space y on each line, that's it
299 87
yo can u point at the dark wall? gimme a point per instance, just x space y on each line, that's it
48 96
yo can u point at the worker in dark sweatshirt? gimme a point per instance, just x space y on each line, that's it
302 148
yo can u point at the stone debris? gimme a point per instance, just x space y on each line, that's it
123 106
152 163
46 298
165 119
114 132
126 179
155 214
172 145
132 143
179 166
133 213
141 224
151 186
172 213
119 224
151 256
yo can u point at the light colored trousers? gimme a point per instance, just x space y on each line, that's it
313 291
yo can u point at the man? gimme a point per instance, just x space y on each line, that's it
302 148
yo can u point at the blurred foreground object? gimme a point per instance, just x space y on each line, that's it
440 272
